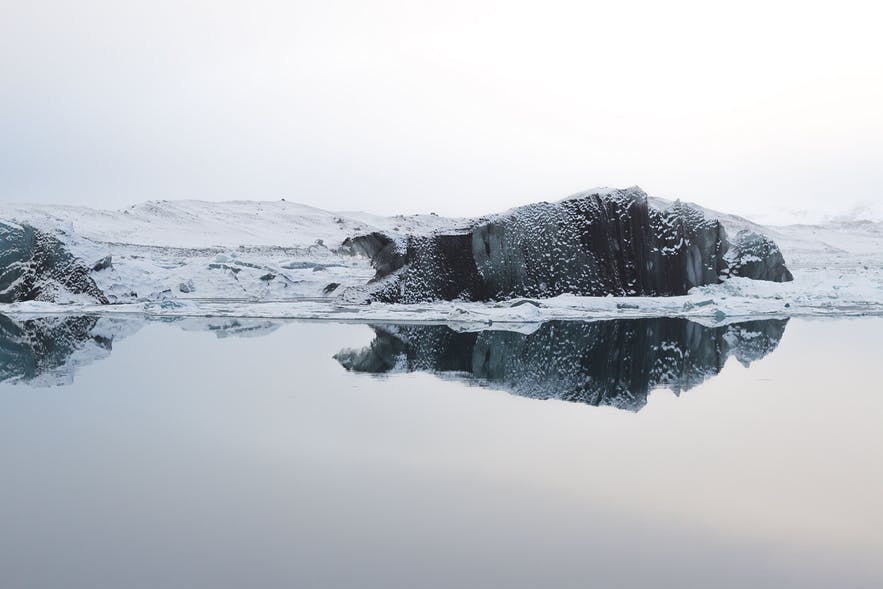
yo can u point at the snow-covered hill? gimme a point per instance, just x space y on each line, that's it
195 224
240 250
284 259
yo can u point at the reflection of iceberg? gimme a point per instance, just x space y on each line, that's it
48 351
613 363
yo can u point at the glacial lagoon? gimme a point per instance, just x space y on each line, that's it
224 452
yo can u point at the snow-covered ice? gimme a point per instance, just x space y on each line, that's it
286 260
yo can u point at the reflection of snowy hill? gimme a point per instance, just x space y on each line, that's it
224 327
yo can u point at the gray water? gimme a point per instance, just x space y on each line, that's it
255 453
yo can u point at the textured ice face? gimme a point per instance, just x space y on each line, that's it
590 244
616 362
36 266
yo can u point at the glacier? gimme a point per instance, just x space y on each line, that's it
541 262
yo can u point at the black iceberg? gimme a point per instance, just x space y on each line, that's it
34 265
591 244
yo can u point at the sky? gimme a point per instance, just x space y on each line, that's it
459 108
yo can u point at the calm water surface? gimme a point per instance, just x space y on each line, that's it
254 453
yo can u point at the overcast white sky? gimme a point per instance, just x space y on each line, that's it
454 107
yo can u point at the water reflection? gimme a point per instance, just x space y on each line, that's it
48 351
616 362
205 459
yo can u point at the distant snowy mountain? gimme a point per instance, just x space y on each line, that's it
194 224
859 213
